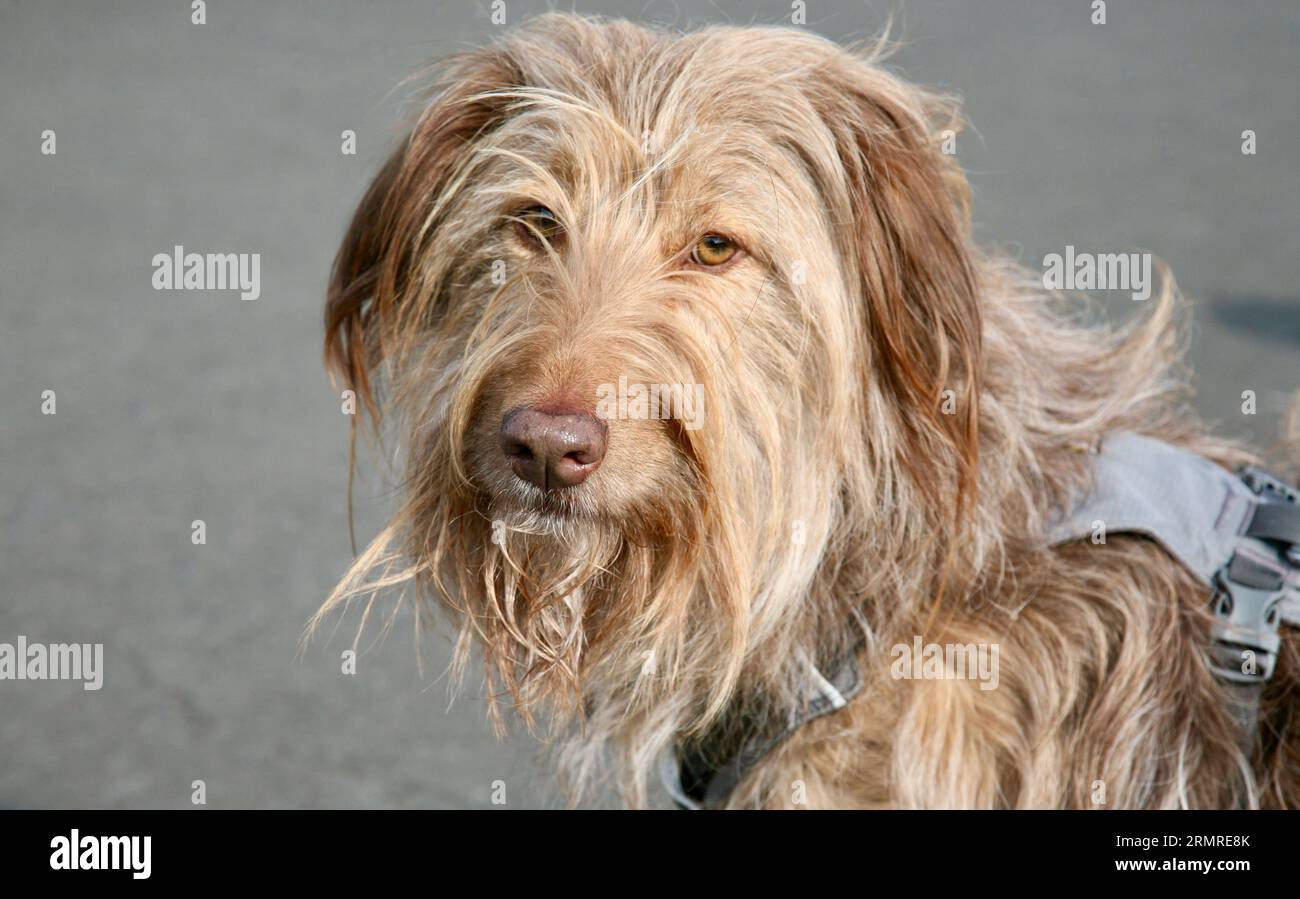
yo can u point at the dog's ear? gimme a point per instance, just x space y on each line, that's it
397 217
911 245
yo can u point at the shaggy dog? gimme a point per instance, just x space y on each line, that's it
881 419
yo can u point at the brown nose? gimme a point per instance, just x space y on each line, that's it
552 450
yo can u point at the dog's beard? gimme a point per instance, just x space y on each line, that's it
559 595
542 575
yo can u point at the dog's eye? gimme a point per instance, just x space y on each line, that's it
537 224
712 249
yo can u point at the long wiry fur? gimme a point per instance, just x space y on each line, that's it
667 600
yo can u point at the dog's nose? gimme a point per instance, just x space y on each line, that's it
552 450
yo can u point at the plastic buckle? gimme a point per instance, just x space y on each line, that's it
1245 631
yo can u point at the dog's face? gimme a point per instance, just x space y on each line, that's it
656 314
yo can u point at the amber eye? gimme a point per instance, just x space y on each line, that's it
712 249
537 223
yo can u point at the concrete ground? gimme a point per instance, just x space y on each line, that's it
176 406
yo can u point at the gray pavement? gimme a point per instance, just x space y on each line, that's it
176 406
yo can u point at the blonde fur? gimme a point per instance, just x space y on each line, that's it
665 600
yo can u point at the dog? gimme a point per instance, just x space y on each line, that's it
701 384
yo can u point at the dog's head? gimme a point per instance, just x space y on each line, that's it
667 321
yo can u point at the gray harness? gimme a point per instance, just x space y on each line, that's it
1238 533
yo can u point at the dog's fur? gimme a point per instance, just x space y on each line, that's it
664 599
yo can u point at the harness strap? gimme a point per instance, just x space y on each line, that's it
695 781
1238 534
